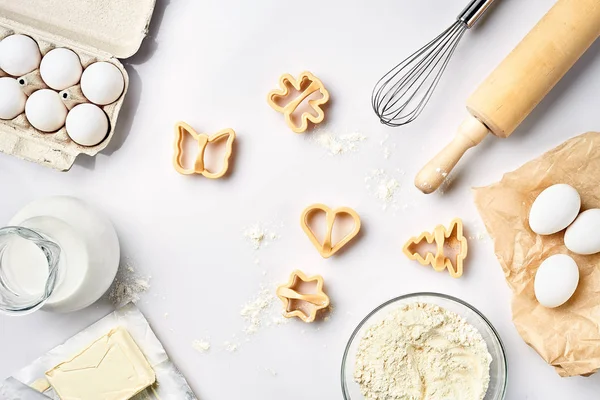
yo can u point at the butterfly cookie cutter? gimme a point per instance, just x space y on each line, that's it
181 129
306 84
327 248
441 237
302 305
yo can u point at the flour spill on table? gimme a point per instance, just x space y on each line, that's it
387 148
201 345
384 187
259 236
129 285
337 144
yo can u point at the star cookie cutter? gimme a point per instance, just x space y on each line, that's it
181 129
302 305
327 249
306 84
452 237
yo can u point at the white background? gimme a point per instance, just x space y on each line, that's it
211 63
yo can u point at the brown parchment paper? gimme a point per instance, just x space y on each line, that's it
567 337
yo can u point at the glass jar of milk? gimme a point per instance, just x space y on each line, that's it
59 254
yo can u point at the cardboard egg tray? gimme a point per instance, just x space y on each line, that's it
98 30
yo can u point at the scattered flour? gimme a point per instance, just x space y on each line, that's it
201 345
259 236
255 311
383 187
128 285
338 144
230 346
387 148
422 352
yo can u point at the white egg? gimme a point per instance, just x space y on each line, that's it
583 236
554 209
45 110
19 55
12 98
102 83
556 280
61 69
87 124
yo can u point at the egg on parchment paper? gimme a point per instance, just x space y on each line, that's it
556 280
554 209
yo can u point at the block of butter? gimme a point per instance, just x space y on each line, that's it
111 368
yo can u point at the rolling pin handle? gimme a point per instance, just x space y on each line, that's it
470 133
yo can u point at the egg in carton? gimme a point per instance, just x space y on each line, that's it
97 31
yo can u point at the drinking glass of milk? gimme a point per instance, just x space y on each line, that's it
58 254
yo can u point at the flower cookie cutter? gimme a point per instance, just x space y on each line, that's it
327 249
452 237
302 305
306 84
181 129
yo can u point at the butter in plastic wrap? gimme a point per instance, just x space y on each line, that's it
566 337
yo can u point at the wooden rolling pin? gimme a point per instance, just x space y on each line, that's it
520 82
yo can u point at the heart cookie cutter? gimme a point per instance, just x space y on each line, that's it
181 129
306 84
293 299
453 237
327 249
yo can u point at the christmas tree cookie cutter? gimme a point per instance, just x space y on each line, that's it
306 84
327 248
181 129
302 305
441 237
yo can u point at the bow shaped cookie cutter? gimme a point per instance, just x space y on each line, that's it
290 295
306 84
441 237
181 128
327 249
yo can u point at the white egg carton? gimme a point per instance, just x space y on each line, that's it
96 30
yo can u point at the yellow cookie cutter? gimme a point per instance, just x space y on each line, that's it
181 128
306 84
327 249
289 294
441 236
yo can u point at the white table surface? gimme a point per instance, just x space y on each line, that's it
211 64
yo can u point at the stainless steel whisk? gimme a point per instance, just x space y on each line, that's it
401 95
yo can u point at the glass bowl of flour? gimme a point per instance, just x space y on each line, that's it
424 346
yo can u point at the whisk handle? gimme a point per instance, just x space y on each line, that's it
471 14
470 133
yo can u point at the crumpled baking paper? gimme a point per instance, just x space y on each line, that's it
567 337
171 385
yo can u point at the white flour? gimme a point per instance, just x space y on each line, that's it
201 345
128 285
338 144
258 236
254 312
383 187
422 352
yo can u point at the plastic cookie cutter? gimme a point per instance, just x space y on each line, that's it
327 248
443 239
181 129
307 84
302 305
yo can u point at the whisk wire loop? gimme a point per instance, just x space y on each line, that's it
400 96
